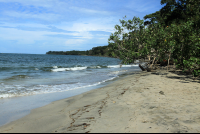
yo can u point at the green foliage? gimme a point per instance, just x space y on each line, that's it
73 52
192 65
126 40
172 32
95 51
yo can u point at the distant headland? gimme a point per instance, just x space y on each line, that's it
104 51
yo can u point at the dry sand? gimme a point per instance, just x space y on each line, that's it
145 102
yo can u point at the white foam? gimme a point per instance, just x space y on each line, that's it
117 72
110 79
67 69
118 66
77 68
129 65
114 66
59 69
5 96
43 89
95 67
55 67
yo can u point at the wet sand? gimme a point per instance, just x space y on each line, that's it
157 101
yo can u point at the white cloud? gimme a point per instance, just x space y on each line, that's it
15 34
95 24
26 37
25 15
42 3
75 42
58 24
32 25
90 11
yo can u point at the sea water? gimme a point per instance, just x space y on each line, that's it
28 81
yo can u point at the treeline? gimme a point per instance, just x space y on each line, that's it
74 52
95 51
170 33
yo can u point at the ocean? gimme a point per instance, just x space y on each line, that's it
29 81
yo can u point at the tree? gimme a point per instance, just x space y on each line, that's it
127 39
172 31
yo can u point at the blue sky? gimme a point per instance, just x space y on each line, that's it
38 26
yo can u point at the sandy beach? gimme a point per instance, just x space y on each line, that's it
147 102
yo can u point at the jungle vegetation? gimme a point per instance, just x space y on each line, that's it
95 51
170 33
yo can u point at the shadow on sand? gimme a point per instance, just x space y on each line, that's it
185 77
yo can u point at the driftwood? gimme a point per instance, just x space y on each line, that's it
141 68
145 69
148 69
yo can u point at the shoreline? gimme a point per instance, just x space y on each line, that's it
14 108
157 101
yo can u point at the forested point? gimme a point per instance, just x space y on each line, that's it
95 51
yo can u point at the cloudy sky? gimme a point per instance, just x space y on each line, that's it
38 26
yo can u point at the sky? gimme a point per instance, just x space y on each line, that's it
39 26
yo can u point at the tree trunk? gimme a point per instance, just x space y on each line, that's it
149 57
152 62
168 62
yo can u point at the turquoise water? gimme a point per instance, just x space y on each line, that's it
29 74
29 81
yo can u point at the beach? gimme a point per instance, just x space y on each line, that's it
160 101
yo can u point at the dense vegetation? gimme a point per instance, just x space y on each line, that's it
95 51
74 52
170 33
